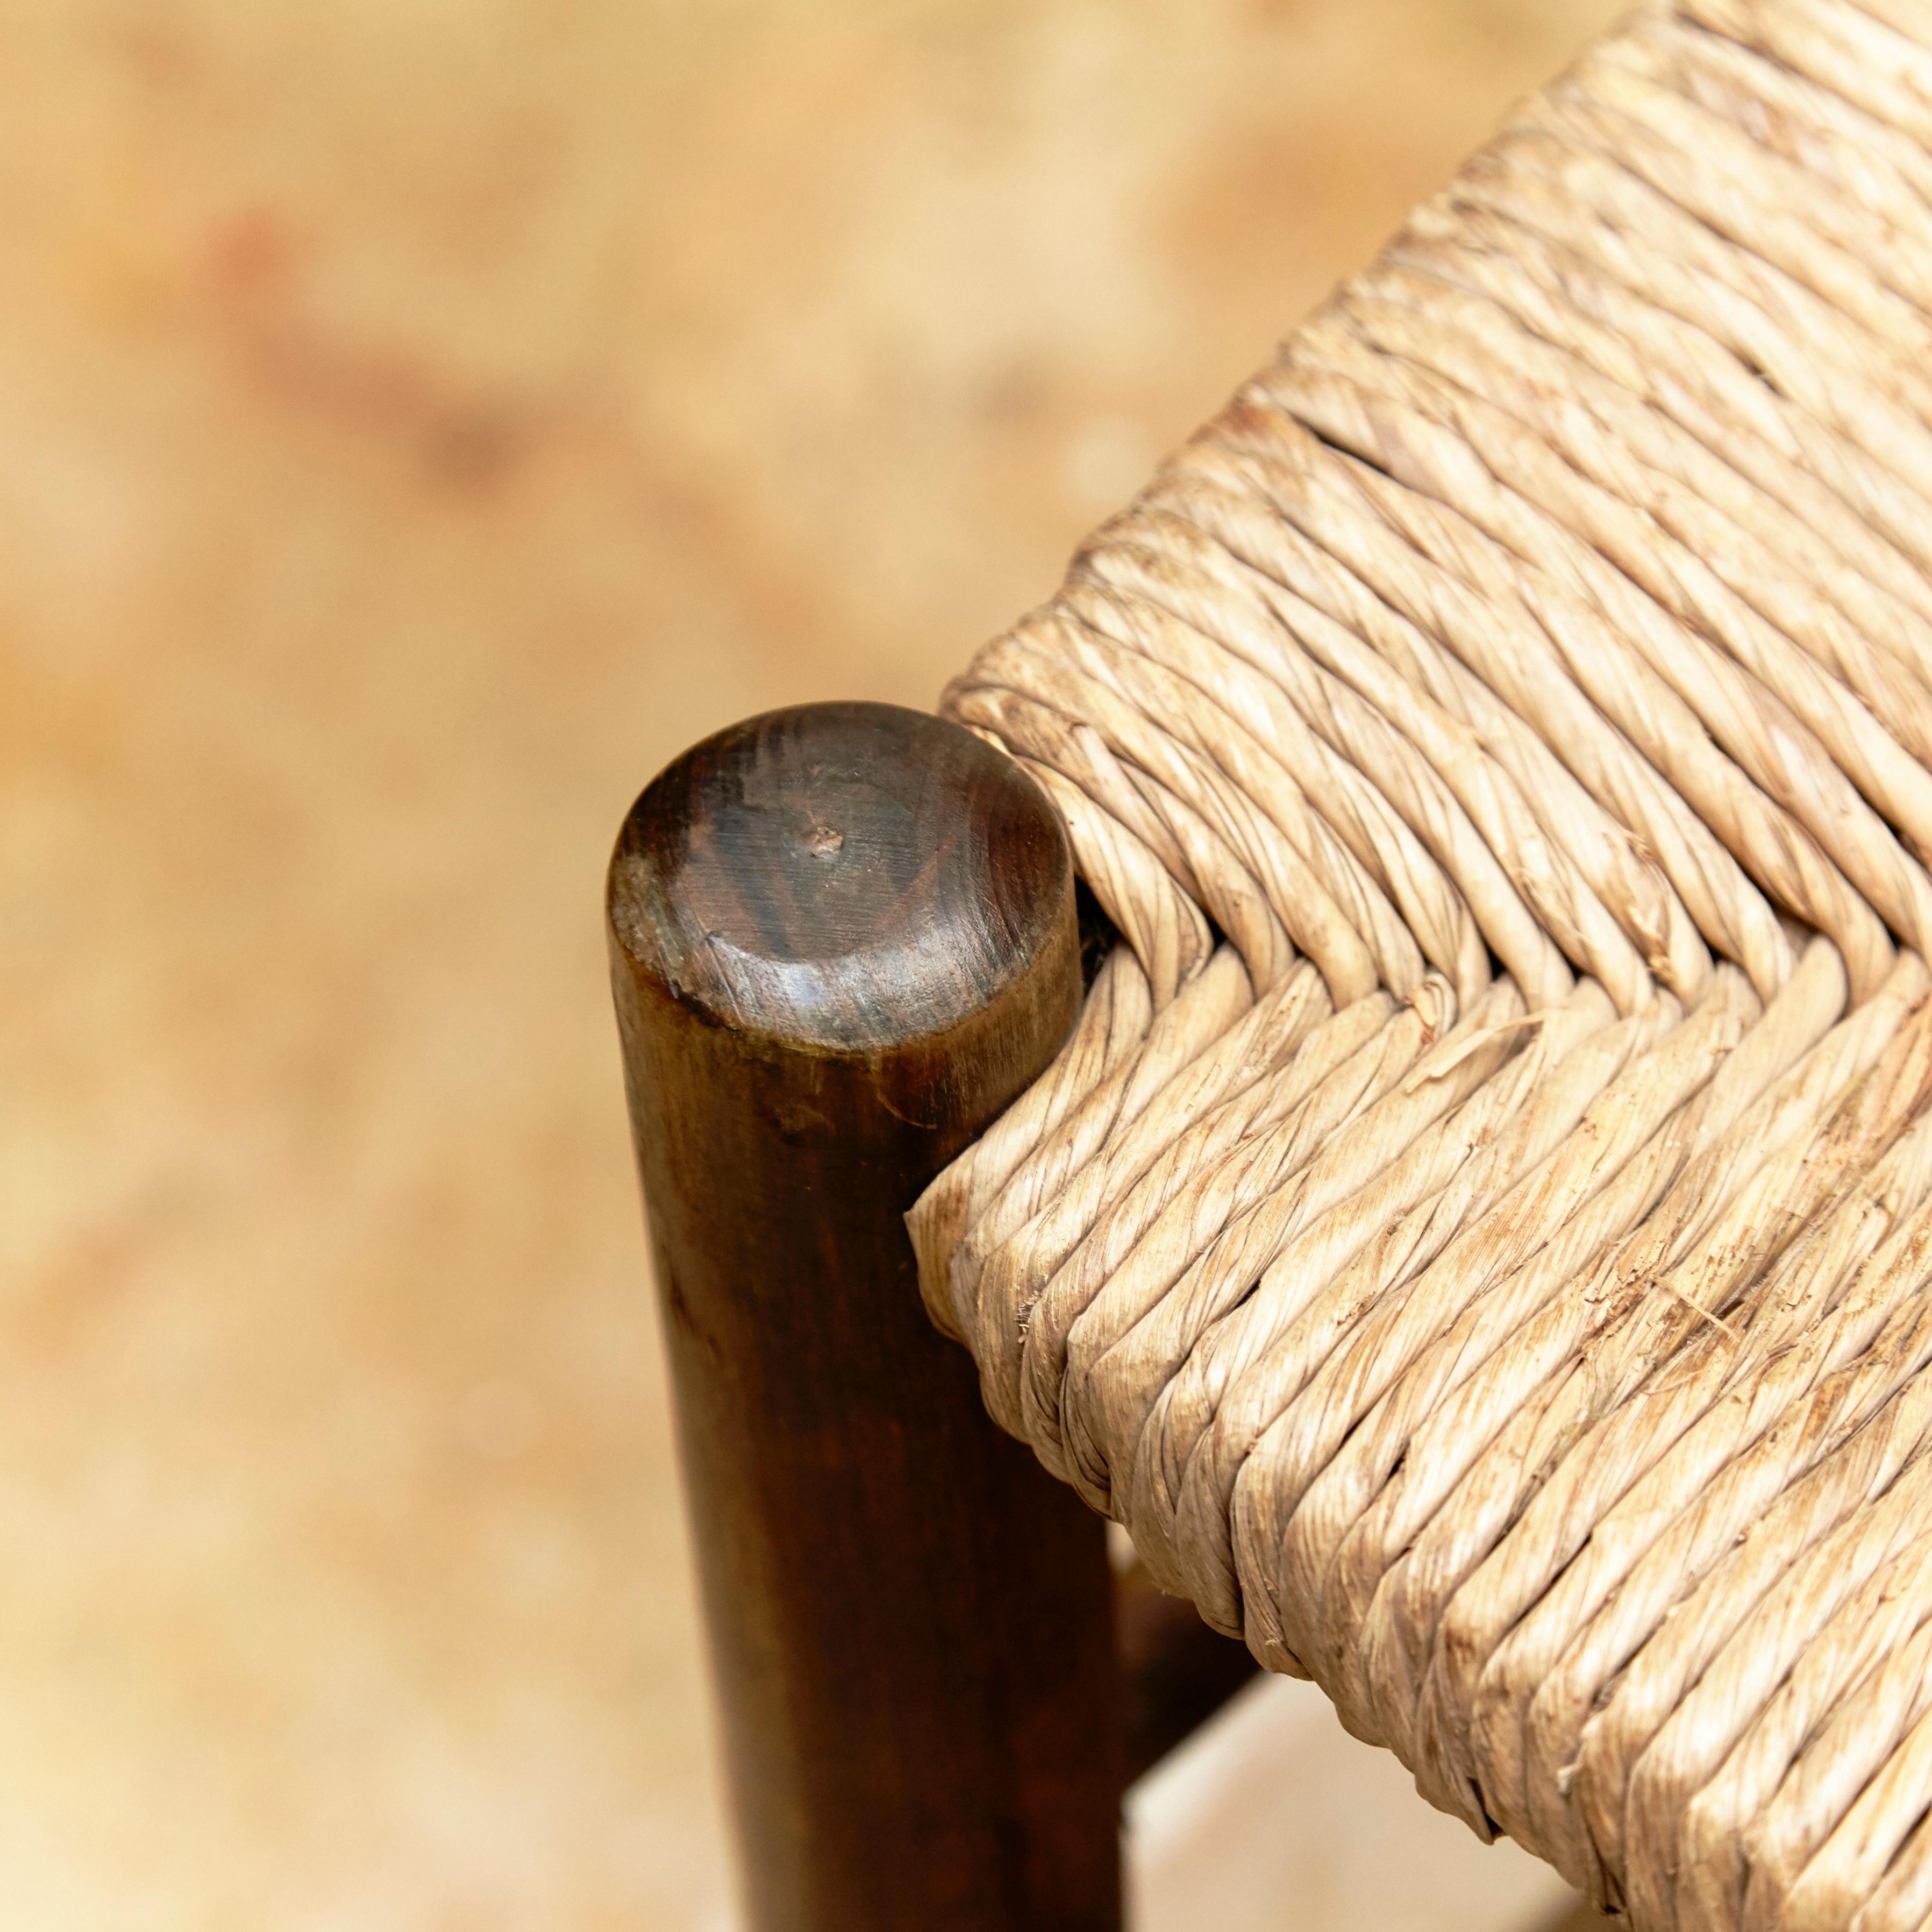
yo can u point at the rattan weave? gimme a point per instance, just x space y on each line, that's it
1478 1239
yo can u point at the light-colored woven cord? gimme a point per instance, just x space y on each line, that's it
1478 1238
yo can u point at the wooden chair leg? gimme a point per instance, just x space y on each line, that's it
843 940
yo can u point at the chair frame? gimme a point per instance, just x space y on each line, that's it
934 1690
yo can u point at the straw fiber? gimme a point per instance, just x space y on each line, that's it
1478 1240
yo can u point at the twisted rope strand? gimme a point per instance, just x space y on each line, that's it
1478 1239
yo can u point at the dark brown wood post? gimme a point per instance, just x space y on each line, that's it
843 939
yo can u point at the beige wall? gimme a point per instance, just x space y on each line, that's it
418 420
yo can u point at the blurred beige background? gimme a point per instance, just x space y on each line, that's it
417 420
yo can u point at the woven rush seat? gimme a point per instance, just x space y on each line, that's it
1477 1239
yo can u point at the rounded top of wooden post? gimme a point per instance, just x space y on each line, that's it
847 877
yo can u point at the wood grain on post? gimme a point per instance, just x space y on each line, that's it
843 940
